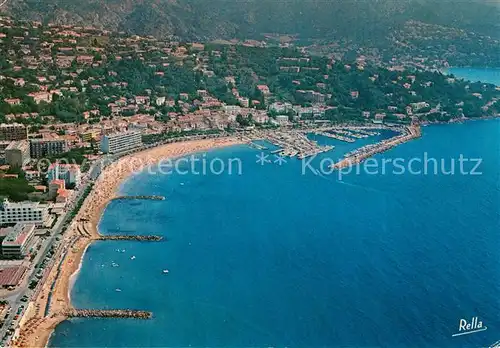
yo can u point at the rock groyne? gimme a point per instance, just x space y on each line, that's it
108 313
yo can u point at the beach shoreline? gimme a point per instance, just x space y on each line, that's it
38 329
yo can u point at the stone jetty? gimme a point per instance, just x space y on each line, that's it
134 238
153 198
108 313
83 230
363 153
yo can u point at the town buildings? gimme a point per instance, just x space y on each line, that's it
13 131
23 212
119 142
281 108
282 120
39 97
17 241
17 154
418 106
89 135
69 173
12 276
40 148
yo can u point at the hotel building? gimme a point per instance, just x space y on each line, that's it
70 173
23 212
119 142
13 131
88 136
40 148
18 239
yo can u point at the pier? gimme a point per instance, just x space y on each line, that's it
367 151
108 313
153 198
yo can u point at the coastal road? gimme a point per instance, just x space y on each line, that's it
15 297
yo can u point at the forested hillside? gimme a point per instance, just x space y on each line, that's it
359 20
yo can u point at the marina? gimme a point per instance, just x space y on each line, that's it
295 143
335 136
292 143
364 131
349 133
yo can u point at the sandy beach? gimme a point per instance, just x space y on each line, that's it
38 328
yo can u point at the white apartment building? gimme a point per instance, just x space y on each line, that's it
160 100
23 212
17 241
232 109
119 142
313 111
245 102
281 108
70 173
282 120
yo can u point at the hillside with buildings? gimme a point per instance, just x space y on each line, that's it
66 90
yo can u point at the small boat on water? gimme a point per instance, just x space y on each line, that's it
165 271
114 264
132 258
118 290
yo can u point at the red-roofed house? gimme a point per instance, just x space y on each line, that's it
264 89
38 97
62 196
55 186
12 101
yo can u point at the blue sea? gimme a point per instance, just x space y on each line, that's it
285 257
489 75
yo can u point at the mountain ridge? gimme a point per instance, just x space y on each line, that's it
199 20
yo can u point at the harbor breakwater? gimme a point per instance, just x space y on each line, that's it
84 231
133 238
108 313
152 198
411 132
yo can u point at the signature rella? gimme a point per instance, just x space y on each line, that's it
467 327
